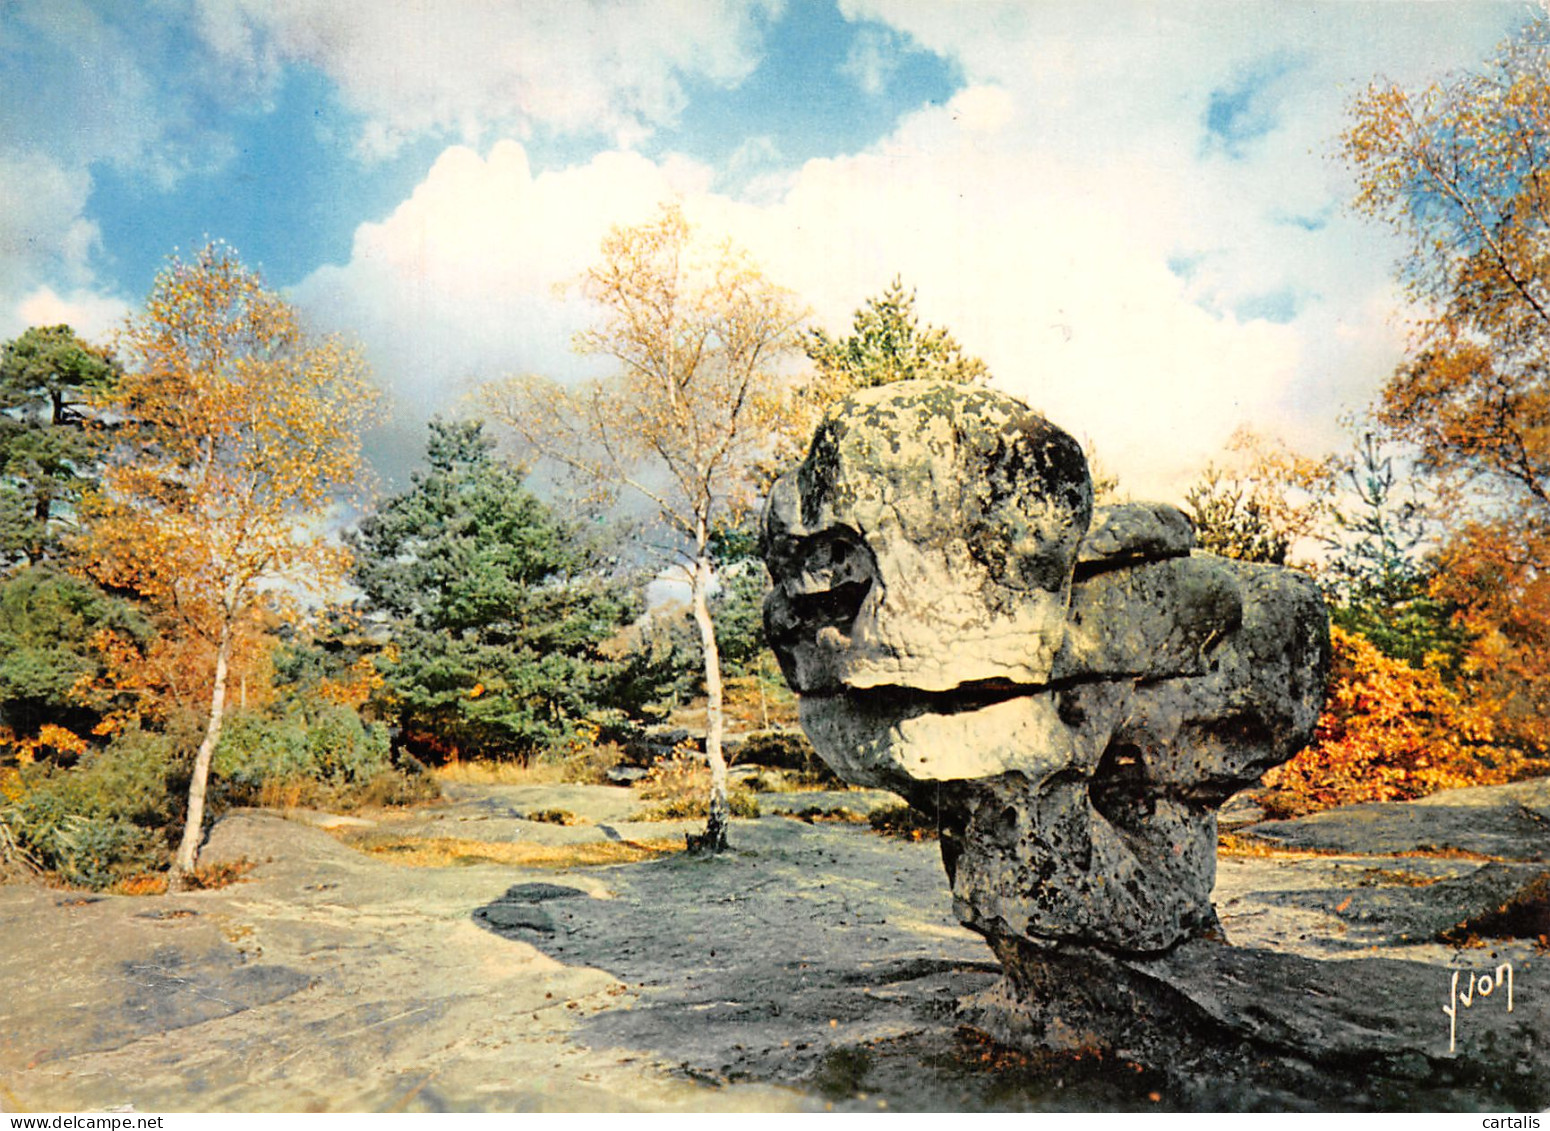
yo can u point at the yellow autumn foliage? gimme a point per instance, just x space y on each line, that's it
1390 732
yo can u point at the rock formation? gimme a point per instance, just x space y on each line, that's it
1070 691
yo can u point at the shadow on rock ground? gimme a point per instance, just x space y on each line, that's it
821 958
816 965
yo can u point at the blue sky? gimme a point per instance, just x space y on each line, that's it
1131 210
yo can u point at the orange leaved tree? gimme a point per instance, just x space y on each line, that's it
234 434
1392 732
1460 168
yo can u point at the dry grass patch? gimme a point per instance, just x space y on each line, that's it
205 877
1393 878
449 852
586 765
141 883
500 773
1231 844
840 816
557 817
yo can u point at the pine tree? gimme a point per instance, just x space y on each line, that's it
48 454
1378 578
493 612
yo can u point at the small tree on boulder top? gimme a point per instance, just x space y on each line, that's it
696 402
237 431
887 343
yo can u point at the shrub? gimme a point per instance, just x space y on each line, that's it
682 774
586 763
394 787
1389 732
331 759
15 861
94 852
694 807
254 750
788 750
107 819
97 821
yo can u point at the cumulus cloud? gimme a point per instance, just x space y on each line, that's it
469 279
1057 279
84 89
1128 210
472 68
93 316
1065 215
85 84
1207 135
1075 312
41 221
146 89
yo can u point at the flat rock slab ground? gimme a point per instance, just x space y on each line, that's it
817 965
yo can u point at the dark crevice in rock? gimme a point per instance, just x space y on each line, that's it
1086 570
1121 791
836 607
970 696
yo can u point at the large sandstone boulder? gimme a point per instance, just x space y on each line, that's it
1071 693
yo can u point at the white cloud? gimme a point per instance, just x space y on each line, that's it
1106 133
1073 311
133 88
474 67
1059 281
79 92
466 280
93 316
1044 214
41 223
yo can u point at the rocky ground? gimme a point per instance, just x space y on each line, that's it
463 956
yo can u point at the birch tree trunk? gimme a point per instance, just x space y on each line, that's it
715 838
193 827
